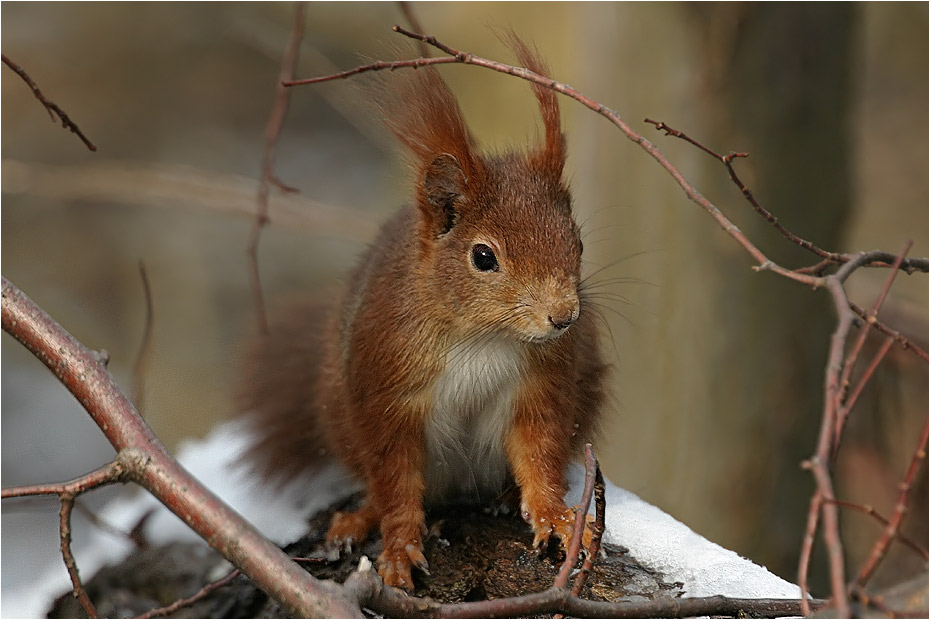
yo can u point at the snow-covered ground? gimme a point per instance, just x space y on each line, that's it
653 537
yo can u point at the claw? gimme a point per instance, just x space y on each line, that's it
559 524
416 556
395 563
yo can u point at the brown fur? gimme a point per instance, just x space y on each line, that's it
424 345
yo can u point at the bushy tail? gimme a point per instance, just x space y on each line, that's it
277 397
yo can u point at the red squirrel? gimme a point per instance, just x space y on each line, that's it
463 354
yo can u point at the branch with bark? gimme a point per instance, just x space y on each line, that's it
143 459
50 106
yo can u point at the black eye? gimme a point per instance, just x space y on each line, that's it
483 258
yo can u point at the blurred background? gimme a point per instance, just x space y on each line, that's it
718 376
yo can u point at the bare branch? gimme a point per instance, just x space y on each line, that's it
205 591
50 106
597 530
894 524
268 178
571 553
67 492
881 259
145 348
146 461
900 338
407 9
869 510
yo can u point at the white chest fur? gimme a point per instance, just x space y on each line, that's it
472 409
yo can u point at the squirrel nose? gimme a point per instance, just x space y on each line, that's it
564 317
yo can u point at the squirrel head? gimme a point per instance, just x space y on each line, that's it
498 245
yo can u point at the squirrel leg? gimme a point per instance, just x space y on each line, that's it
397 489
537 451
347 528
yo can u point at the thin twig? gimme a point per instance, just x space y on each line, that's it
407 9
894 523
843 404
870 511
64 525
807 549
103 525
50 106
67 492
205 591
581 513
268 179
141 363
828 257
380 65
853 397
597 532
877 602
901 339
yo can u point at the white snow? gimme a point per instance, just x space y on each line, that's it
653 537
666 545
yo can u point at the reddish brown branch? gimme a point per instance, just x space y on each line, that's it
50 106
205 591
64 525
844 405
882 259
458 56
380 65
853 397
571 553
820 462
901 339
877 602
597 532
268 178
870 511
67 492
108 474
145 460
894 523
807 549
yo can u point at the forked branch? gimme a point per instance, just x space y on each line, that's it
145 461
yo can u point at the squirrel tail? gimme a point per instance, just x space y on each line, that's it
277 396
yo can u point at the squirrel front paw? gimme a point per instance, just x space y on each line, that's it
346 528
560 522
396 561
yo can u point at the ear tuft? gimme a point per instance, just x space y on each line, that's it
551 156
443 182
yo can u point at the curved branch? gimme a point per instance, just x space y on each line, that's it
147 462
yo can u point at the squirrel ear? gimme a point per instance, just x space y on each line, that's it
443 182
